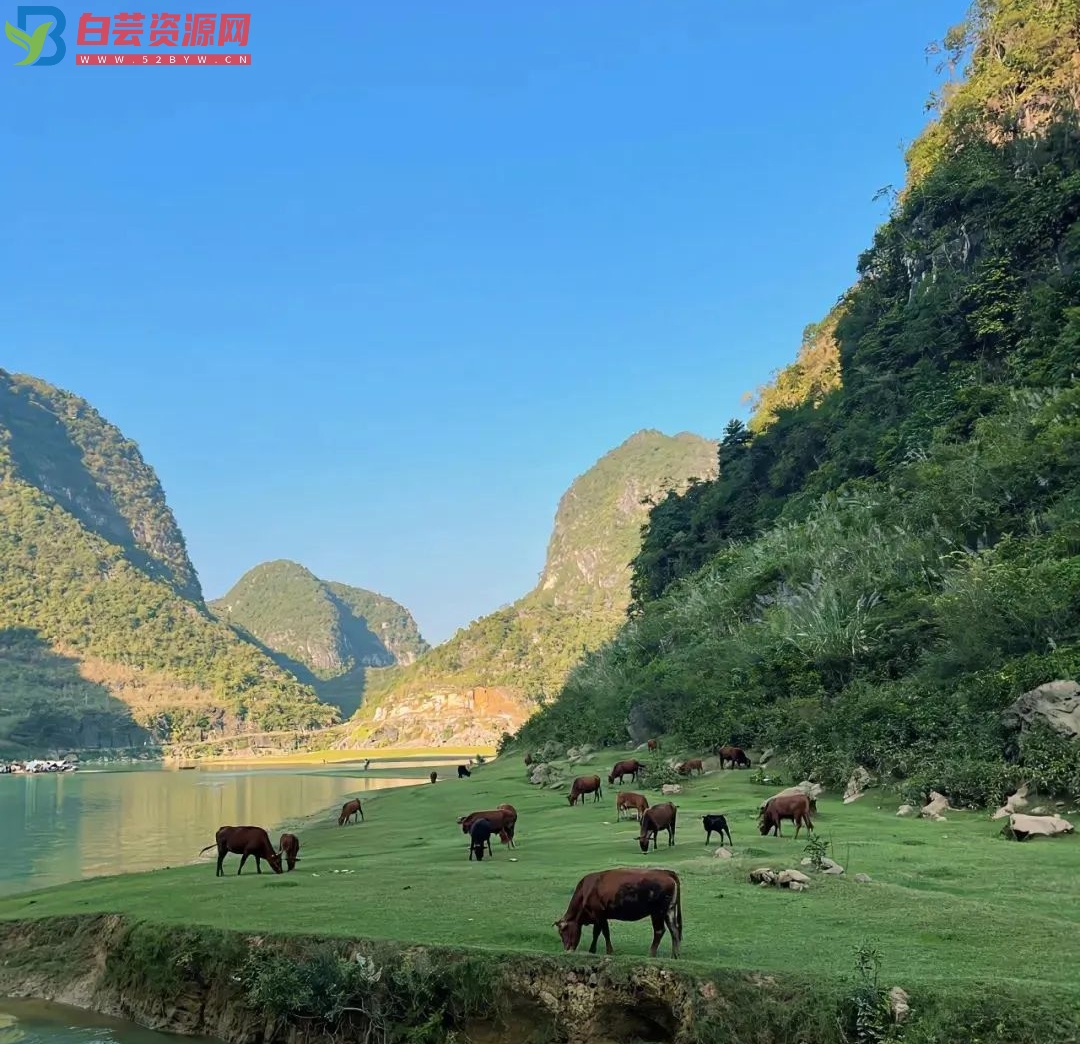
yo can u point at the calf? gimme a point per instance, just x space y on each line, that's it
736 755
463 771
659 817
585 785
350 810
795 807
629 768
627 801
717 823
434 776
652 745
479 834
528 760
624 895
289 845
687 767
244 841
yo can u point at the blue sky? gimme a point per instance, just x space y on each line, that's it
373 303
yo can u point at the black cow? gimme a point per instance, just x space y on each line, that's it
463 771
480 835
718 824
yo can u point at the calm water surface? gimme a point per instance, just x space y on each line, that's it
61 827
34 1022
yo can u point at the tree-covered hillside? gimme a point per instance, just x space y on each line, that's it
104 639
524 651
889 556
326 634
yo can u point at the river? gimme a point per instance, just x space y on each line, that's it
61 827
33 1022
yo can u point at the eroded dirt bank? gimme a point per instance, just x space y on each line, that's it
249 989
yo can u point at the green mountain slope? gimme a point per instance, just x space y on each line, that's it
892 555
104 640
326 634
491 675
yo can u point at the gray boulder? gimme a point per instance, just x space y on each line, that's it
1056 704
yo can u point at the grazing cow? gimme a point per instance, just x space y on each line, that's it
434 776
244 841
289 845
503 820
627 800
629 768
659 817
463 771
528 760
736 755
624 895
717 823
652 744
795 807
350 810
585 785
687 767
479 834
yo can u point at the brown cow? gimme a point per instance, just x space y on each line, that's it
687 767
585 785
244 841
652 744
627 801
503 821
528 760
795 807
736 755
624 895
351 809
629 768
289 845
659 817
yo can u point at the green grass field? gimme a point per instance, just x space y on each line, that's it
949 902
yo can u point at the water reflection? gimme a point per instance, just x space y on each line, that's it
35 1022
64 826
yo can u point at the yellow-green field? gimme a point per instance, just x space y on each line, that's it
948 902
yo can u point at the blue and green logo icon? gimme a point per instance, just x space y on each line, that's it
32 41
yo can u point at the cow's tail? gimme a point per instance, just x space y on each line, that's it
208 847
678 906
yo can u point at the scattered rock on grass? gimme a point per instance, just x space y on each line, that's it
862 878
860 780
722 853
906 810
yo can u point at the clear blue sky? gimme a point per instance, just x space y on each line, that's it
374 302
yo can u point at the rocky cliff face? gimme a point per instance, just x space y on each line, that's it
523 652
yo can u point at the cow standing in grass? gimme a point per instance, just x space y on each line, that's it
585 785
624 895
717 824
736 755
350 810
659 817
629 768
627 801
687 768
244 841
480 831
289 846
795 807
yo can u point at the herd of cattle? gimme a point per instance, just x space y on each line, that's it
608 895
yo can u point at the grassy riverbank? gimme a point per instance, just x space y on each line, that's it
948 902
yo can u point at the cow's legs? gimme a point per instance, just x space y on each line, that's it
607 938
595 937
708 834
657 932
258 865
220 859
243 860
675 939
671 836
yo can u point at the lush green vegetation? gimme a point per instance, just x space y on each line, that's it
326 634
889 556
951 906
530 646
98 640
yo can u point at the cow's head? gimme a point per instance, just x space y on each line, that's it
572 798
570 932
644 841
274 859
611 777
